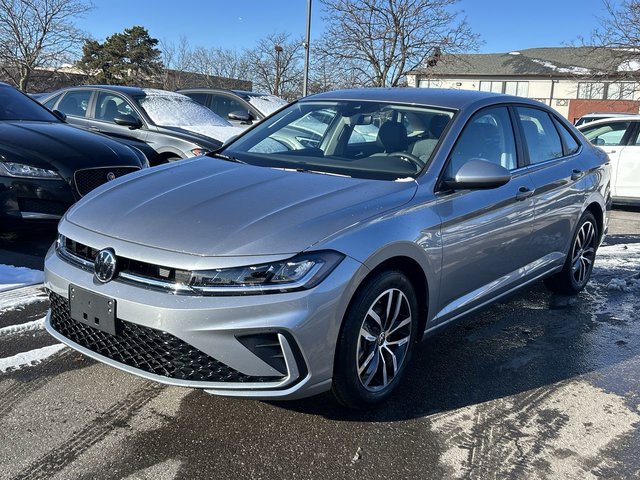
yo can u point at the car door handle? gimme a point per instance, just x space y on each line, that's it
524 193
93 127
576 174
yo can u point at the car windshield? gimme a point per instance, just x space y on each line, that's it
14 105
353 138
168 109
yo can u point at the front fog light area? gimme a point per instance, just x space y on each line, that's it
300 272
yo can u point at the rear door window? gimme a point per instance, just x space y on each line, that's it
541 137
75 103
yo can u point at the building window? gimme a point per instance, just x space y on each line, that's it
620 91
489 86
521 89
591 90
431 83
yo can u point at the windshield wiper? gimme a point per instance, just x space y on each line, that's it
306 170
228 158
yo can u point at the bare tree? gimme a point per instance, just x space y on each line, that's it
220 64
177 59
619 35
38 34
276 63
382 40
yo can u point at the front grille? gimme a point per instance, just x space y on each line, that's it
90 178
146 349
38 205
151 271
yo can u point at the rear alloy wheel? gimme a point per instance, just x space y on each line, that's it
376 341
579 264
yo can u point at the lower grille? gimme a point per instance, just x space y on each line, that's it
146 349
90 178
38 205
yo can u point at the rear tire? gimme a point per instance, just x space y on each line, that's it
376 340
579 263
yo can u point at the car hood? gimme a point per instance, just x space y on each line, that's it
211 207
61 146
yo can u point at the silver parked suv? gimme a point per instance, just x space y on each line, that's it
313 251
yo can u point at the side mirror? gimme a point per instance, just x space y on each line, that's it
600 141
479 174
61 116
241 116
128 121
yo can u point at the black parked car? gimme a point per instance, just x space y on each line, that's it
165 125
46 165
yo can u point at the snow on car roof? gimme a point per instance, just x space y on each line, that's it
266 104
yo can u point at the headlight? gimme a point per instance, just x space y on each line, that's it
26 171
298 273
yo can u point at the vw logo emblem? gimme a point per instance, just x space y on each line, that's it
111 176
105 265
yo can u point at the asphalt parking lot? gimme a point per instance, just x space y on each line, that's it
537 386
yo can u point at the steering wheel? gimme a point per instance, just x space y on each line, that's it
409 157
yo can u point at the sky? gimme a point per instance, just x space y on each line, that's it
503 25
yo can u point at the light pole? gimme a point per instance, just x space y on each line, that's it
305 84
276 87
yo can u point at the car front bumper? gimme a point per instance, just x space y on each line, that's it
24 200
304 325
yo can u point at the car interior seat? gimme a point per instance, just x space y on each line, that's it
110 110
69 106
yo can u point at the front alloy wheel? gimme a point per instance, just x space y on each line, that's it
384 340
579 263
376 340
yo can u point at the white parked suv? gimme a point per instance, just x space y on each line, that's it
619 137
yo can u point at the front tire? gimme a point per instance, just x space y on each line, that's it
376 340
579 263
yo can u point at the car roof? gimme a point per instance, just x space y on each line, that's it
615 118
442 97
241 93
607 114
127 90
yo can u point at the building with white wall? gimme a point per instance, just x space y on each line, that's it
572 80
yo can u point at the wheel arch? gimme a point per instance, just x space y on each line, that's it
413 261
598 213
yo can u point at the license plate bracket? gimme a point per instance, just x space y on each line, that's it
94 310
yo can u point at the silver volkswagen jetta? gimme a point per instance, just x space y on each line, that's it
312 252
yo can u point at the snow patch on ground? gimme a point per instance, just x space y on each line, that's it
33 326
14 277
29 359
546 426
631 284
19 298
623 260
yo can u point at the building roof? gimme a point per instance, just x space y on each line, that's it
434 97
546 62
